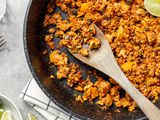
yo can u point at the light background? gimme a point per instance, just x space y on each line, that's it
14 71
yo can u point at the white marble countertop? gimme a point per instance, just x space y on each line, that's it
14 71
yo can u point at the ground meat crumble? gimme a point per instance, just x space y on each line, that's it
133 34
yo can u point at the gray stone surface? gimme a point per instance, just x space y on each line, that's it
14 71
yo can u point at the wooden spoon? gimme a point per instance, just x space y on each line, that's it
104 60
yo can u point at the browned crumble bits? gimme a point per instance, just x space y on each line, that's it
133 34
74 75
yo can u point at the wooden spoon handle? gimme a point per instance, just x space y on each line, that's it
148 108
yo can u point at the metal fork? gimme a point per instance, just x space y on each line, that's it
2 41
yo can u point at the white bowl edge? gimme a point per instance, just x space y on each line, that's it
11 104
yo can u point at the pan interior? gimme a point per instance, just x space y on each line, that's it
57 90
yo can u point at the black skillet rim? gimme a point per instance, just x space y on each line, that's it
35 75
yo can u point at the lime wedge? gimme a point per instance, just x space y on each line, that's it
1 113
6 115
30 116
153 7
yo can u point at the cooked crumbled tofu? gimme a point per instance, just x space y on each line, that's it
62 72
51 30
127 66
94 43
103 87
58 58
120 32
63 42
48 38
63 26
79 88
74 76
79 98
134 37
84 52
90 94
52 76
59 33
51 44
107 100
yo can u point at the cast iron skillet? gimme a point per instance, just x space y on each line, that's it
57 90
